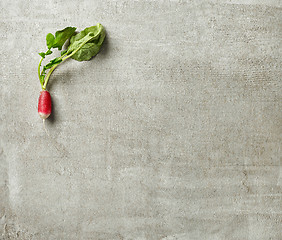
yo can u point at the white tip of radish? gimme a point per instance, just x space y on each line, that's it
43 115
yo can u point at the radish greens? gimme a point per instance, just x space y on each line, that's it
82 47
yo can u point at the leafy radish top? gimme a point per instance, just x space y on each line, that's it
83 46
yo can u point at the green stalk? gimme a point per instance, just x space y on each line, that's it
39 75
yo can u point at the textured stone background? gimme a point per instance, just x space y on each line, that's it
172 132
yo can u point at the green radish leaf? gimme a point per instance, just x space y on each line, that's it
62 36
44 71
56 60
47 66
42 54
50 40
87 43
52 63
48 52
75 45
63 52
88 51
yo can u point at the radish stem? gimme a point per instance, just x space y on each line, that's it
39 74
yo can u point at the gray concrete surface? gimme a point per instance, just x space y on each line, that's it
172 132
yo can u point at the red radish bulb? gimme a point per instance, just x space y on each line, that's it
44 104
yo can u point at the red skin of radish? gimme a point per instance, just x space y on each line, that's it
44 104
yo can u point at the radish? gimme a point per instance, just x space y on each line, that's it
44 104
83 46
